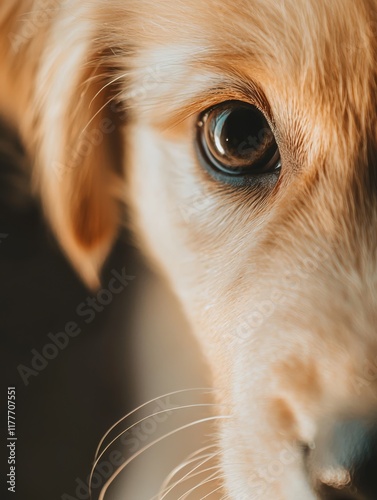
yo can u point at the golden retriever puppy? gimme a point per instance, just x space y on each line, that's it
242 135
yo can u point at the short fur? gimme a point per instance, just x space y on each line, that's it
280 286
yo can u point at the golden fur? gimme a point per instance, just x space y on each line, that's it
280 287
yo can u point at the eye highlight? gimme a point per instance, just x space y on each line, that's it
236 141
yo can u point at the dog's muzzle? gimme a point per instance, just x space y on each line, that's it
343 460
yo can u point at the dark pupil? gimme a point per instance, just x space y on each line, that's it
243 137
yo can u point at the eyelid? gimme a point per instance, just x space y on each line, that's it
228 90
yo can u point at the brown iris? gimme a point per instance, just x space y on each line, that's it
236 139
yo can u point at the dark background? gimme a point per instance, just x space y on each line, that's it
65 410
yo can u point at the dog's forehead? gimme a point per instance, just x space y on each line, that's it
310 53
283 35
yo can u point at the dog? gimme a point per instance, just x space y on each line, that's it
242 137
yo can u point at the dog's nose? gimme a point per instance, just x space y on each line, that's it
343 460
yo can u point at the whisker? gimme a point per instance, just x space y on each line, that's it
107 85
99 111
212 492
93 78
205 458
192 458
190 475
156 441
169 394
213 477
185 407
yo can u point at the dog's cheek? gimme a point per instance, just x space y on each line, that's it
163 189
152 198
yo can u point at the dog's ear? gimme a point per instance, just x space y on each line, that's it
80 159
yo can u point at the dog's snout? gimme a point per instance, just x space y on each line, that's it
343 460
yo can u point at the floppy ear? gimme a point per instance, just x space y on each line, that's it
80 154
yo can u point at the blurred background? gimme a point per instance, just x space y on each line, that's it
136 346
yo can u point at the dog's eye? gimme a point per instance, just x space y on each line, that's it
235 139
